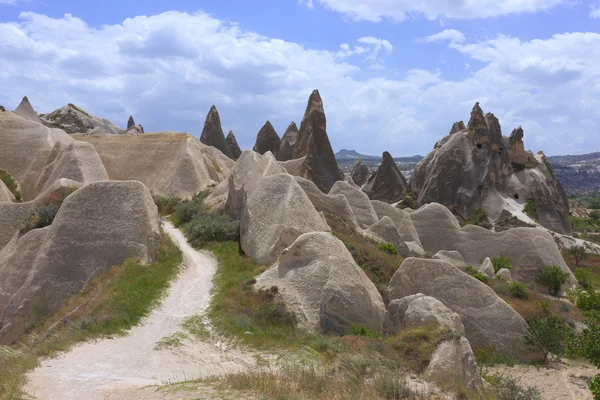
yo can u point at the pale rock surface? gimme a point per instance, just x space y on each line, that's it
504 274
488 320
98 226
452 257
25 110
169 164
454 358
487 268
5 194
401 219
321 284
359 202
385 231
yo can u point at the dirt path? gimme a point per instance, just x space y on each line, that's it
116 368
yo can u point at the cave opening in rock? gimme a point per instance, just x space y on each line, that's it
479 145
516 196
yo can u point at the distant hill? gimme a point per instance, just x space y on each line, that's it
578 174
354 155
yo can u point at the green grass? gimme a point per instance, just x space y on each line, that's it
170 342
479 218
12 184
109 305
531 210
195 327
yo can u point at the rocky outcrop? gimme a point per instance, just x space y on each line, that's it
359 202
385 231
212 133
529 249
36 156
387 183
99 226
504 274
25 110
451 257
233 145
454 359
73 119
487 268
132 128
288 143
319 165
401 219
130 122
267 140
5 194
476 167
488 320
360 172
321 284
173 165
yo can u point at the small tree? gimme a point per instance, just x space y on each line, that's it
546 334
501 262
587 345
595 216
553 278
519 290
578 253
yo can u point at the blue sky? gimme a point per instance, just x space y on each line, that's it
394 74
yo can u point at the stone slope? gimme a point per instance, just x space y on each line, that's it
73 119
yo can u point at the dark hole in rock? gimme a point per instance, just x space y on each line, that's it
500 150
479 145
516 196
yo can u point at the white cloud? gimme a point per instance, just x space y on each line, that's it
375 10
168 69
452 35
8 1
309 3
595 12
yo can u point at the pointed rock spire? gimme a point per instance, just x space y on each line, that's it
457 127
360 172
267 140
2 109
212 134
387 183
477 126
130 122
25 110
288 142
233 145
320 165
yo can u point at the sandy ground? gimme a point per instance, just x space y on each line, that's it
118 368
566 380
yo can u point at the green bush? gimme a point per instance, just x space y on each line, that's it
187 210
388 248
595 387
584 277
531 210
46 212
519 290
510 389
547 334
11 183
361 330
479 218
553 278
588 300
501 262
211 228
477 275
408 202
166 205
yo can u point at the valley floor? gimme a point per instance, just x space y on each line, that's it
156 352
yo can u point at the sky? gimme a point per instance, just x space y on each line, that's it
393 74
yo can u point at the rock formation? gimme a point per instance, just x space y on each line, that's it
476 167
288 142
132 127
130 122
212 134
99 226
267 140
174 164
25 110
387 183
73 119
313 144
358 201
360 172
5 194
2 109
321 284
233 145
454 359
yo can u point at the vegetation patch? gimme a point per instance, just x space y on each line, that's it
553 278
519 290
109 305
477 275
45 213
501 262
479 218
531 210
166 205
12 184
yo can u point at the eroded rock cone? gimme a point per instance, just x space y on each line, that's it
288 142
130 122
267 140
360 172
320 165
212 134
25 110
2 109
387 183
233 145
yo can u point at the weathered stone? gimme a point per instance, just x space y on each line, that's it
288 142
387 183
450 256
454 360
2 109
360 173
212 133
359 202
25 110
233 145
504 274
267 140
385 231
487 268
130 122
73 119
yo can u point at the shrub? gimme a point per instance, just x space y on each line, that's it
388 248
361 330
211 228
166 205
477 275
547 334
588 300
531 210
519 290
479 218
553 278
501 262
584 277
408 202
578 253
11 183
46 212
595 387
510 389
573 294
587 345
187 210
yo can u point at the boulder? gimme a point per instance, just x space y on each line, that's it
212 133
25 110
359 202
98 226
130 122
419 310
401 219
452 257
6 195
360 172
267 140
488 320
73 119
529 249
233 145
385 231
2 109
320 165
454 359
504 274
487 268
173 164
387 184
288 142
321 284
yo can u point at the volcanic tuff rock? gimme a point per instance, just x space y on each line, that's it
387 183
487 268
528 248
212 134
451 257
5 194
488 320
99 226
321 284
25 110
37 156
233 145
477 167
385 231
360 172
359 202
73 119
132 127
267 140
2 109
169 164
288 142
454 358
319 164
130 122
